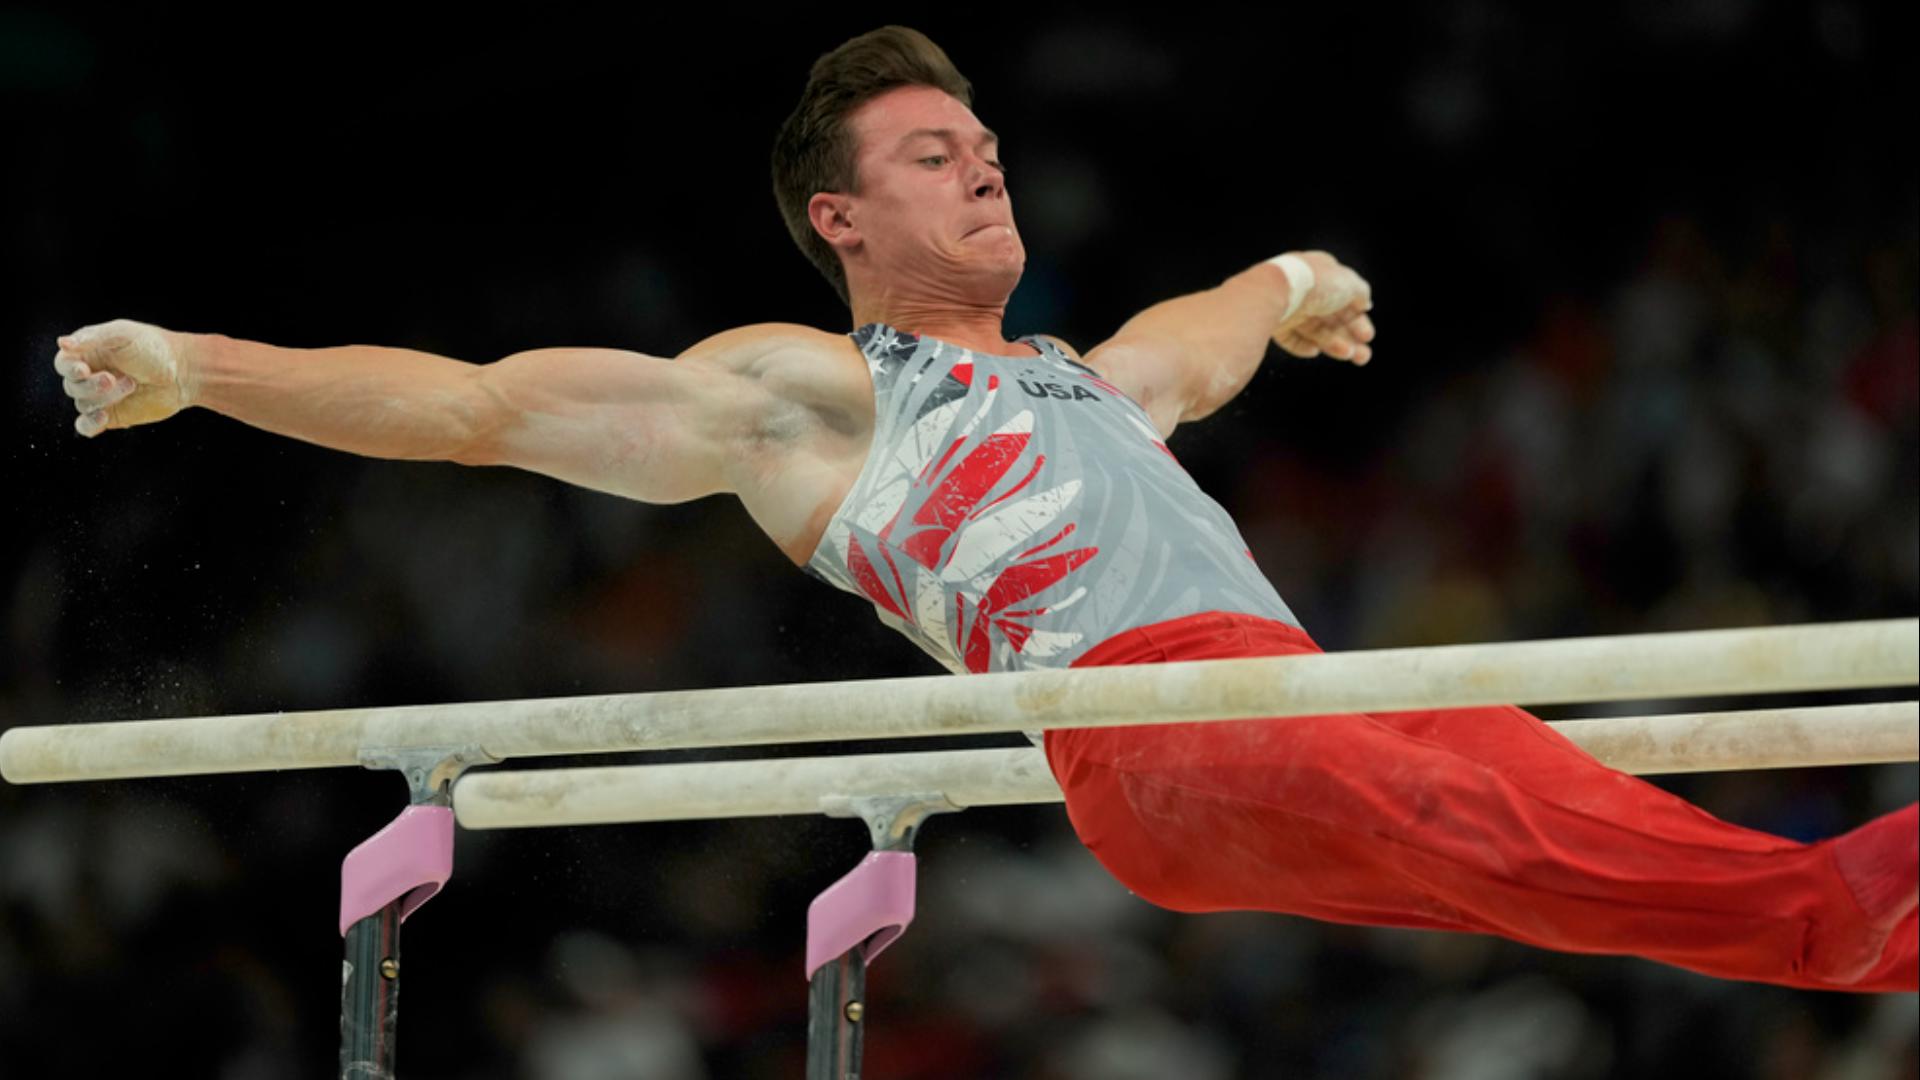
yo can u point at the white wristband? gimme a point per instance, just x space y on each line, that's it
1299 281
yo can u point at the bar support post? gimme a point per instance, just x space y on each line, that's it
853 920
382 881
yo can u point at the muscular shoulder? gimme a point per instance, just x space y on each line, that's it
747 348
794 366
787 356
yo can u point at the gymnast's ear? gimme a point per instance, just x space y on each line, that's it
831 215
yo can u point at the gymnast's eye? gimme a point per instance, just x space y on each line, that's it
940 158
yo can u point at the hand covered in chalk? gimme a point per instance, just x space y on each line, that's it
1331 317
123 373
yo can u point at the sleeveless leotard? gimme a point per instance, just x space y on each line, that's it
1014 512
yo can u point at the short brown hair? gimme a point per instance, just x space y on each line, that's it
814 150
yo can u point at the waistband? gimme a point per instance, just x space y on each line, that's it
1210 635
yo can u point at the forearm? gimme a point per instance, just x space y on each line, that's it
363 399
1223 331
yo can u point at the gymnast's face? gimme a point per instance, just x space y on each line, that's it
932 206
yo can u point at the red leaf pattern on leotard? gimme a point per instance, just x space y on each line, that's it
949 495
1014 584
956 495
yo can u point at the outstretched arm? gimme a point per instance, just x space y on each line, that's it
626 423
1184 358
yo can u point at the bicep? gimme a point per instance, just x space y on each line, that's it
640 426
1152 373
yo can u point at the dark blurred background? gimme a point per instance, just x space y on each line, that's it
1646 284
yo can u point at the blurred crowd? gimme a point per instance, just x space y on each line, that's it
1711 420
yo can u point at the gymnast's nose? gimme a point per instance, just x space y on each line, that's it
986 181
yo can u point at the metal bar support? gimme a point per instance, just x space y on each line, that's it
853 920
383 881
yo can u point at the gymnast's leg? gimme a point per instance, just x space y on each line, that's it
1482 820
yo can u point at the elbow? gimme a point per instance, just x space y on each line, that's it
482 440
481 425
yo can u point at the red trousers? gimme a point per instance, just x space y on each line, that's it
1483 820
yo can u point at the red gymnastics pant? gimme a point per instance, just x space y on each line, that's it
1483 820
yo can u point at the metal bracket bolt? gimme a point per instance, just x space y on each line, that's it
893 821
429 770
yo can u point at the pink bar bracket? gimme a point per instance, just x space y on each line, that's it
408 860
874 901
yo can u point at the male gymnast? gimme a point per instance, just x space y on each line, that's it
1012 504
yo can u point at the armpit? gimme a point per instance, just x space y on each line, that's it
783 423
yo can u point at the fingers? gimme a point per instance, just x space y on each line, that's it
96 344
93 347
1356 319
79 355
1343 338
1345 335
98 390
1355 336
69 365
95 397
1296 344
94 393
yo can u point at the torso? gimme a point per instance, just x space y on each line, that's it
1007 510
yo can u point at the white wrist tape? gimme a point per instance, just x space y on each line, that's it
1299 281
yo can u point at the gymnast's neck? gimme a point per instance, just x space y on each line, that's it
969 322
